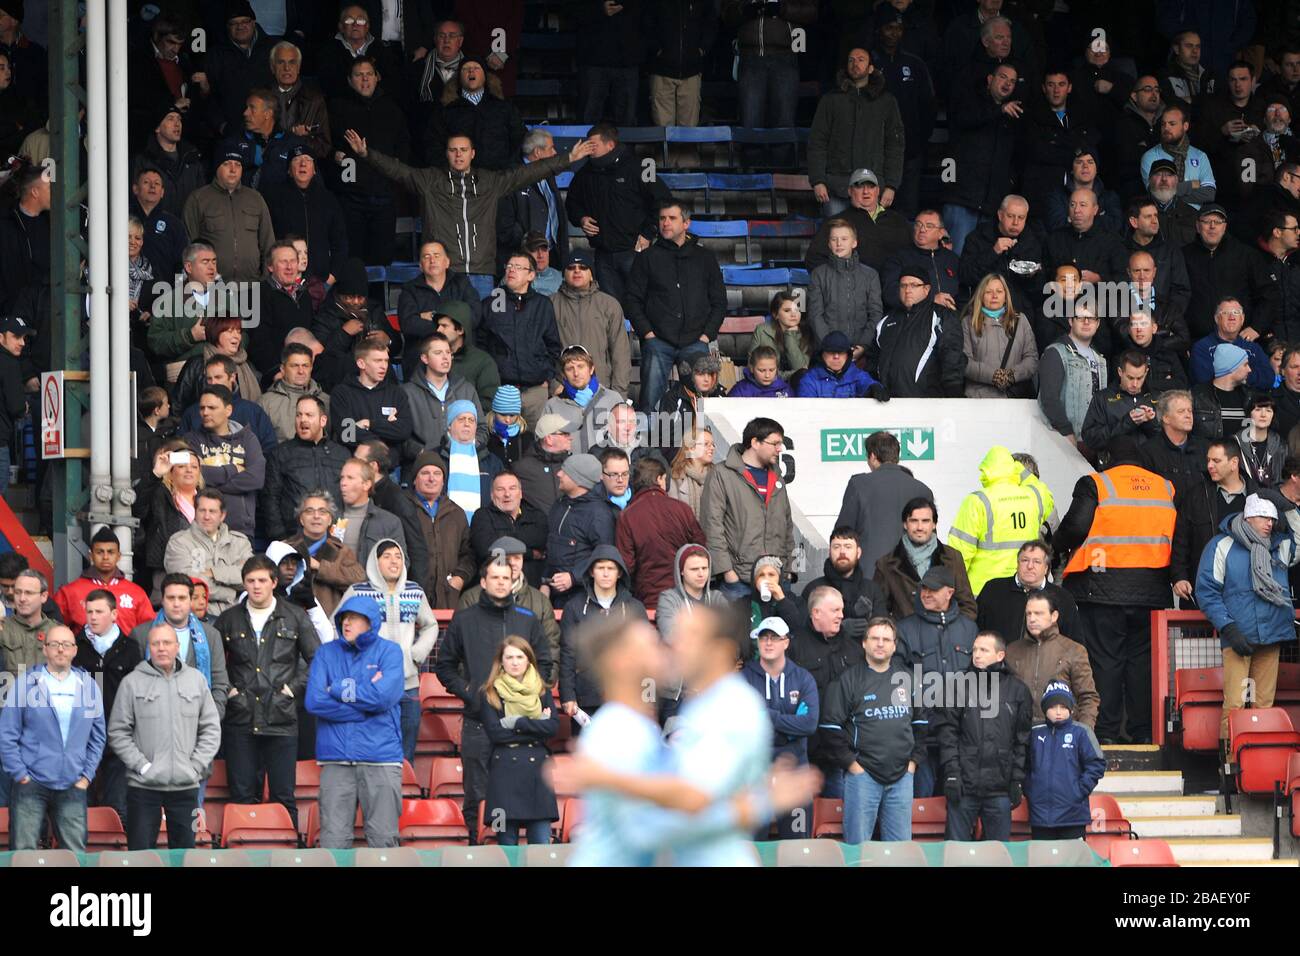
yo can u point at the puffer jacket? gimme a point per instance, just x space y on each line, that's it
166 721
897 577
747 387
260 670
938 641
355 689
460 210
521 337
1065 763
595 320
575 526
193 553
1052 656
576 681
844 296
741 526
917 352
1226 595
762 31
987 752
856 127
984 355
405 617
821 382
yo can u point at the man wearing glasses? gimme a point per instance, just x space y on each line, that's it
1002 601
353 39
936 262
917 349
1137 129
1230 328
236 67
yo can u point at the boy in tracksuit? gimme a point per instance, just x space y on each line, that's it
1065 763
790 694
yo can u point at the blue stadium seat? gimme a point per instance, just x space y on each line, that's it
400 272
741 182
733 275
564 179
698 134
685 182
724 229
483 284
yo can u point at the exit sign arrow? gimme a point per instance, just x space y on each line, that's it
918 443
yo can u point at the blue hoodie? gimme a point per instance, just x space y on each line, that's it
792 703
748 388
358 718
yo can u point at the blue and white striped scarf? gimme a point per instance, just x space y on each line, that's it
463 484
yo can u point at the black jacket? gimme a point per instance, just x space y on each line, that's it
232 74
116 663
610 189
1279 297
1286 405
280 313
1248 225
1164 368
575 527
987 752
676 292
522 337
466 651
1097 249
493 125
24 253
826 660
260 669
524 211
1199 514
182 171
679 35
165 240
490 523
858 586
984 141
315 214
14 397
1133 137
1233 269
327 326
380 122
908 77
1050 145
978 260
516 789
878 238
352 402
1173 290
872 718
611 41
939 641
577 682
941 265
536 471
1207 409
418 296
1002 607
294 468
1183 465
903 336
1108 418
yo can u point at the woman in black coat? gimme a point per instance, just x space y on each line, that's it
158 504
519 717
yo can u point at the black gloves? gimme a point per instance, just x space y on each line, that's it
1236 640
878 392
1017 794
854 627
952 790
862 607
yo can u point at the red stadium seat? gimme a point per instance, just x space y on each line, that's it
828 818
218 787
446 778
426 824
570 818
1262 741
1142 853
1108 825
4 828
104 830
257 825
411 789
929 818
306 782
1198 698
439 734
434 697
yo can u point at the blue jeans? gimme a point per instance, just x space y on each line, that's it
615 84
927 775
67 810
833 782
538 832
960 222
410 723
768 90
994 811
612 271
865 799
657 360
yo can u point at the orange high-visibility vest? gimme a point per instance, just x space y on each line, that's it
1134 523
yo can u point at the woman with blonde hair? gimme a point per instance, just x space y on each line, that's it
165 500
518 716
1001 353
691 465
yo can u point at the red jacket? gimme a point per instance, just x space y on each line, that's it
650 531
133 605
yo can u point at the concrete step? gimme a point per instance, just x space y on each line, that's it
1236 849
1201 825
1163 806
1132 757
1236 863
1148 782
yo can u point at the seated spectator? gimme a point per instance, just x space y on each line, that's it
334 565
579 521
584 401
456 321
548 279
300 104
835 376
222 370
231 217
845 293
1001 353
348 315
1164 368
1229 328
607 592
1127 409
995 245
230 455
371 404
1062 773
388 495
1263 451
306 461
429 390
1191 165
1083 175
1282 195
785 330
508 434
509 515
586 315
295 382
899 572
844 571
354 40
1159 273
538 469
881 231
917 349
163 231
521 335
1002 600
444 532
285 305
616 475
302 206
1043 655
691 467
1202 511
1070 373
927 257
652 530
679 406
131 601
1220 267
470 466
211 550
420 302
473 107
769 593
361 523
1062 296
1177 216
1097 251
760 378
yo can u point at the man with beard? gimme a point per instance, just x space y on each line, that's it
1196 178
863 597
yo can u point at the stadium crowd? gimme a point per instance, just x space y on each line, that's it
313 485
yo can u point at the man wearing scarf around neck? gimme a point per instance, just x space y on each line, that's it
470 469
1242 588
582 400
200 644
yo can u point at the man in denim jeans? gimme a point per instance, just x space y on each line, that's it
876 733
52 734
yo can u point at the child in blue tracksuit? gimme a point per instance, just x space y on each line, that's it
761 378
1065 763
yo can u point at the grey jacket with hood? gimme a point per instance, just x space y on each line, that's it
594 319
408 618
165 727
676 601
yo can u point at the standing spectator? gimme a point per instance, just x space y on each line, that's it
822 646
1065 763
444 530
908 78
1195 177
857 125
302 206
1044 654
993 246
652 529
1280 196
354 40
348 315
456 321
845 571
422 299
1220 403
1070 372
441 63
281 399
917 348
615 207
205 546
241 62
975 786
1082 174
362 523
537 208
333 564
1176 454
794 708
611 49
221 370
270 644
470 467
305 461
548 279
52 735
520 334
166 247
24 626
1161 285
962 39
179 165
881 232
473 107
1202 511
588 316
1184 80
1120 528
353 690
1263 451
368 197
1096 251
371 405
1002 600
1130 410
745 507
1136 131
1280 280
878 746
1286 396
872 499
286 305
1229 128
769 42
131 600
27 58
899 571
525 596
844 295
579 521
691 467
675 300
680 38
25 236
1242 587
270 146
1059 131
300 105
1001 354
692 574
166 731
231 217
199 643
230 456
430 390
927 254
465 660
539 468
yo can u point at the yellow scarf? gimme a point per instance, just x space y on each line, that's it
520 697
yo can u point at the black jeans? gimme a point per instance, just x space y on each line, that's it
1119 647
994 810
612 271
1058 833
144 809
371 222
475 749
249 756
111 780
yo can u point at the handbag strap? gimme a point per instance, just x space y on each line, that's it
1006 353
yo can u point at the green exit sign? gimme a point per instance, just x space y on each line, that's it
850 444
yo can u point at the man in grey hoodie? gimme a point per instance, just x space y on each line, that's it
692 572
165 729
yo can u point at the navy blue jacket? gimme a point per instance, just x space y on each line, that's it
1065 763
821 382
792 703
574 527
520 334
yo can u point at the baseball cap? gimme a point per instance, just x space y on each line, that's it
863 177
16 325
774 624
553 424
1212 209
